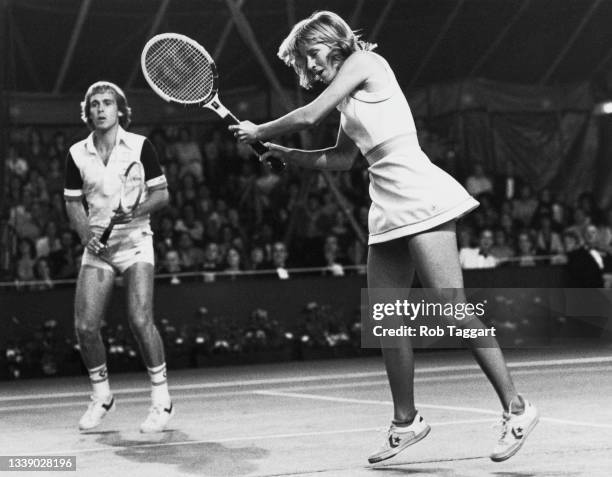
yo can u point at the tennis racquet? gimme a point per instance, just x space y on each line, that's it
132 187
180 70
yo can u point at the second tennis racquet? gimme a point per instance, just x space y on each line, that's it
132 188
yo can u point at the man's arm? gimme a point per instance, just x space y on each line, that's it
78 219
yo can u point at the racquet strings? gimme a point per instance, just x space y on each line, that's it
180 70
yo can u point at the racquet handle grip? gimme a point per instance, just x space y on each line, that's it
258 146
106 234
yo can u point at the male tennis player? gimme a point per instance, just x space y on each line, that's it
94 169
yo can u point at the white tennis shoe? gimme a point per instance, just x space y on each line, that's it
515 429
96 411
157 419
398 438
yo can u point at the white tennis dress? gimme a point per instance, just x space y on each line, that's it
409 193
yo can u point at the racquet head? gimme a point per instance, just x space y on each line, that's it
132 187
179 69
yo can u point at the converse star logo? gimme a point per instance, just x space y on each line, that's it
517 432
394 441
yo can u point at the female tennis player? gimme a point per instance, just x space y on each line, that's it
95 167
414 203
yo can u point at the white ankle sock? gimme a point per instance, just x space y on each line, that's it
159 385
98 377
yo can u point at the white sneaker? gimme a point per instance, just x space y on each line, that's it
158 418
96 411
398 438
515 429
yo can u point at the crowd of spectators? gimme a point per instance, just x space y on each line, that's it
230 213
200 340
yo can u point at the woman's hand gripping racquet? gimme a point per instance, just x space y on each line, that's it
132 187
179 69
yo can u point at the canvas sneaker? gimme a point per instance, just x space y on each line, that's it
157 419
398 438
96 411
515 429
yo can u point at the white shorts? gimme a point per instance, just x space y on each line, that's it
125 247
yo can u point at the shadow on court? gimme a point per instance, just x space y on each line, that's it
416 471
201 458
534 474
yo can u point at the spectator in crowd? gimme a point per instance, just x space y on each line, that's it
55 177
187 191
65 261
571 241
478 182
171 265
331 256
188 222
480 257
547 241
165 237
233 262
36 186
524 206
279 260
465 236
587 202
580 222
212 258
308 231
191 257
14 194
15 164
188 155
257 259
508 225
214 160
266 182
42 273
57 212
588 263
160 142
37 156
341 229
49 242
525 250
488 211
501 248
59 144
23 220
26 259
605 232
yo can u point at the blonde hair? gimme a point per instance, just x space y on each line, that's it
125 118
321 27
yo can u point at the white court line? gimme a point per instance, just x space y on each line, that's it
314 378
429 379
477 410
246 438
351 385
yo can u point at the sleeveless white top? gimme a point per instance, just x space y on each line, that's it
370 119
409 193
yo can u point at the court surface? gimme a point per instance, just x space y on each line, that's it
323 418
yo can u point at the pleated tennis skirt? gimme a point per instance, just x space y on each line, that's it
409 193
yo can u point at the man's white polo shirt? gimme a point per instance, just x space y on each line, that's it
87 176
